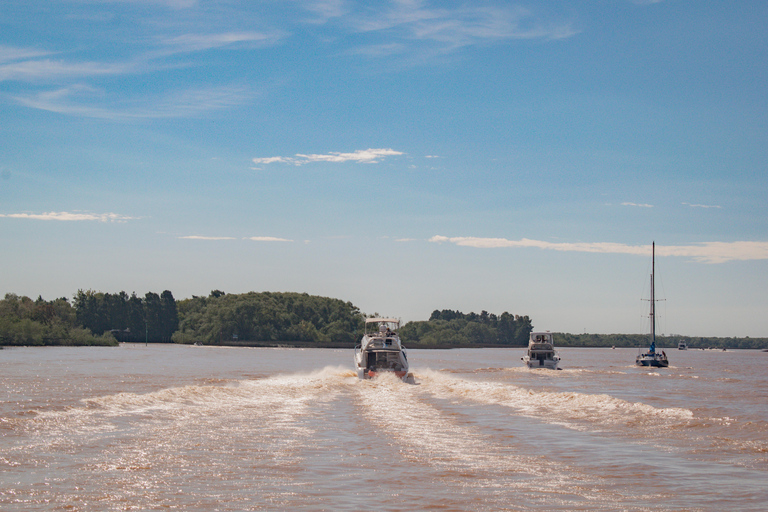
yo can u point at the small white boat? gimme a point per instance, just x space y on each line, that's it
682 346
380 350
541 351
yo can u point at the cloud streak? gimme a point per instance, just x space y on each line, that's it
267 239
67 216
253 238
81 100
706 252
365 156
200 237
702 205
452 28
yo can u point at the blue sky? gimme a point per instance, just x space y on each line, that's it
405 156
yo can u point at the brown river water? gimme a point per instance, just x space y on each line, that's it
168 427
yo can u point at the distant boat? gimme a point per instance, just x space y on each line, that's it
682 346
381 351
652 357
541 351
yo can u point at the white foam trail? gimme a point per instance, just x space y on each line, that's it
430 435
572 409
270 404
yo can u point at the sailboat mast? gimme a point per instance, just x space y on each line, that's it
653 297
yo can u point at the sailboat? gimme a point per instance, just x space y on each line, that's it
652 357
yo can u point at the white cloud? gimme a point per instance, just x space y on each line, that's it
267 239
199 237
636 204
273 159
706 252
368 156
702 205
67 216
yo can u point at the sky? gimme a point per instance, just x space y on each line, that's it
405 156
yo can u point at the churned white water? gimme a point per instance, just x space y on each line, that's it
167 427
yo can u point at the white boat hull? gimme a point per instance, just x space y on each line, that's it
541 352
549 364
381 352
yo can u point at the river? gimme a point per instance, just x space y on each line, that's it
169 427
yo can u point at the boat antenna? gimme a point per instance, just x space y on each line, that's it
653 298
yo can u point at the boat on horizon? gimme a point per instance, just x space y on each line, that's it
541 351
652 357
381 351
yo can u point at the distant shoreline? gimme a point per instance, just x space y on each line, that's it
561 341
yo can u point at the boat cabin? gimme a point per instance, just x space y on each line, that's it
540 341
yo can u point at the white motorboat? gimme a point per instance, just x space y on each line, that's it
652 357
541 351
682 346
381 350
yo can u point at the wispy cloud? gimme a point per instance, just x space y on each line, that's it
702 205
253 238
200 237
69 216
706 252
47 69
368 156
452 28
12 53
323 10
196 42
641 205
86 101
267 239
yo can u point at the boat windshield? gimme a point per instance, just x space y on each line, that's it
384 326
541 337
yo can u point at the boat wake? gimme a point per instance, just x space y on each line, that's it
578 411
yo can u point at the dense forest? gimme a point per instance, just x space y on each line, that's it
24 321
452 328
270 318
128 317
267 317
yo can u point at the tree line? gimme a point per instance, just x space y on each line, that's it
24 321
662 342
265 317
96 318
128 317
454 328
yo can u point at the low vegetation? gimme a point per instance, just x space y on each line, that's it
642 340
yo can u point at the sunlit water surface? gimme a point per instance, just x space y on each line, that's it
164 427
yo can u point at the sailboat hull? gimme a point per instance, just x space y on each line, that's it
653 362
655 359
